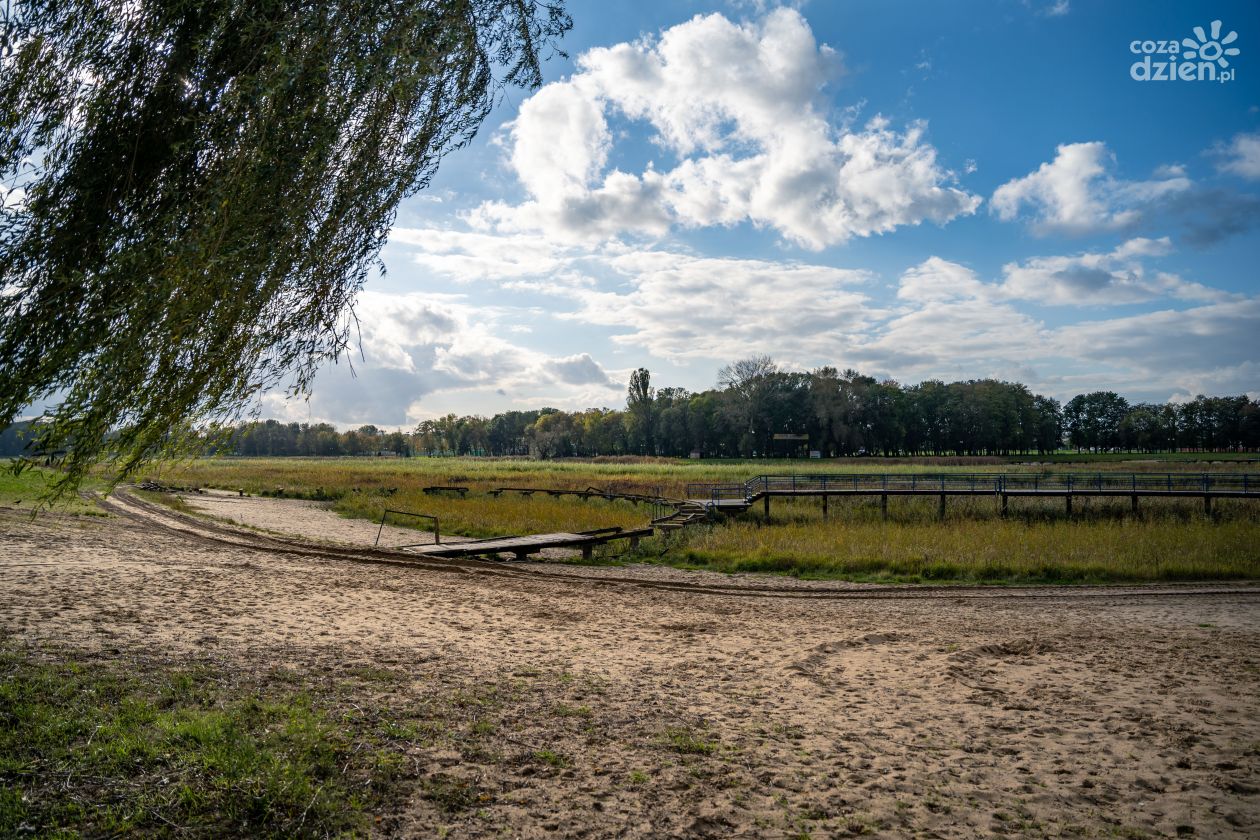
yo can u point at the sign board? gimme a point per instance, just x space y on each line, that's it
695 453
784 436
814 453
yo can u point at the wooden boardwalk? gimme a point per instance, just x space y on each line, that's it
736 498
522 547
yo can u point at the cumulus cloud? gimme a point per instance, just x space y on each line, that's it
578 370
465 256
682 307
1114 277
1170 343
936 280
414 348
1076 193
1240 156
736 105
952 323
964 327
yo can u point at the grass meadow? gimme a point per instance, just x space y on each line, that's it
1102 541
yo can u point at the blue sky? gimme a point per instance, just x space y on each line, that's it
916 190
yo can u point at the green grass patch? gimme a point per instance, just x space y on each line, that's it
553 758
27 489
99 749
687 742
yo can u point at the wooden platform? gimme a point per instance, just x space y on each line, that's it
522 547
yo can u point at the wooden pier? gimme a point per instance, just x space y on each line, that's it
523 546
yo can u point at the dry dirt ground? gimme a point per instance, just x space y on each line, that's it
656 703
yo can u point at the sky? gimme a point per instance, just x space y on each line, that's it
1000 188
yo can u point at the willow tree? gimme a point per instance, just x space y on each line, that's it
194 192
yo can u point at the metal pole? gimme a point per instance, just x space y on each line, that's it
384 513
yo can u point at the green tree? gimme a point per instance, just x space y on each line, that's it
641 412
204 187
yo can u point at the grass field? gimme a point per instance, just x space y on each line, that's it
24 491
93 746
1037 543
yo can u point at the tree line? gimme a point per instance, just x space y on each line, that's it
760 410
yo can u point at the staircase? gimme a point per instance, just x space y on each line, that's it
685 513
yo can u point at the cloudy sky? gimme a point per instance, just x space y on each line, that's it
915 190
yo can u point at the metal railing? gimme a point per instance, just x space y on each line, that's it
996 483
437 528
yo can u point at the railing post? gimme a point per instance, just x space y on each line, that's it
384 513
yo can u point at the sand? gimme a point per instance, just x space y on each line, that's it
833 709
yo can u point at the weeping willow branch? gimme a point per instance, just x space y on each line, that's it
192 194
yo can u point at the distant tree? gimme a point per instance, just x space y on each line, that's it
204 187
1093 420
641 412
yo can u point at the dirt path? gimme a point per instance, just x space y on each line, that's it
696 705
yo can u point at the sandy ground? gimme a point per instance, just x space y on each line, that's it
832 710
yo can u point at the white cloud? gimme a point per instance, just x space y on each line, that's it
1076 194
736 106
681 307
952 324
959 326
1114 277
1171 344
580 369
465 256
1240 156
12 199
945 320
416 349
936 280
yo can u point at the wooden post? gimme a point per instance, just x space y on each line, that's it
634 543
586 551
1207 505
766 502
824 498
1135 503
1004 498
1068 499
941 512
883 505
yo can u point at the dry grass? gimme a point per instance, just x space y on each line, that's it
1102 541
